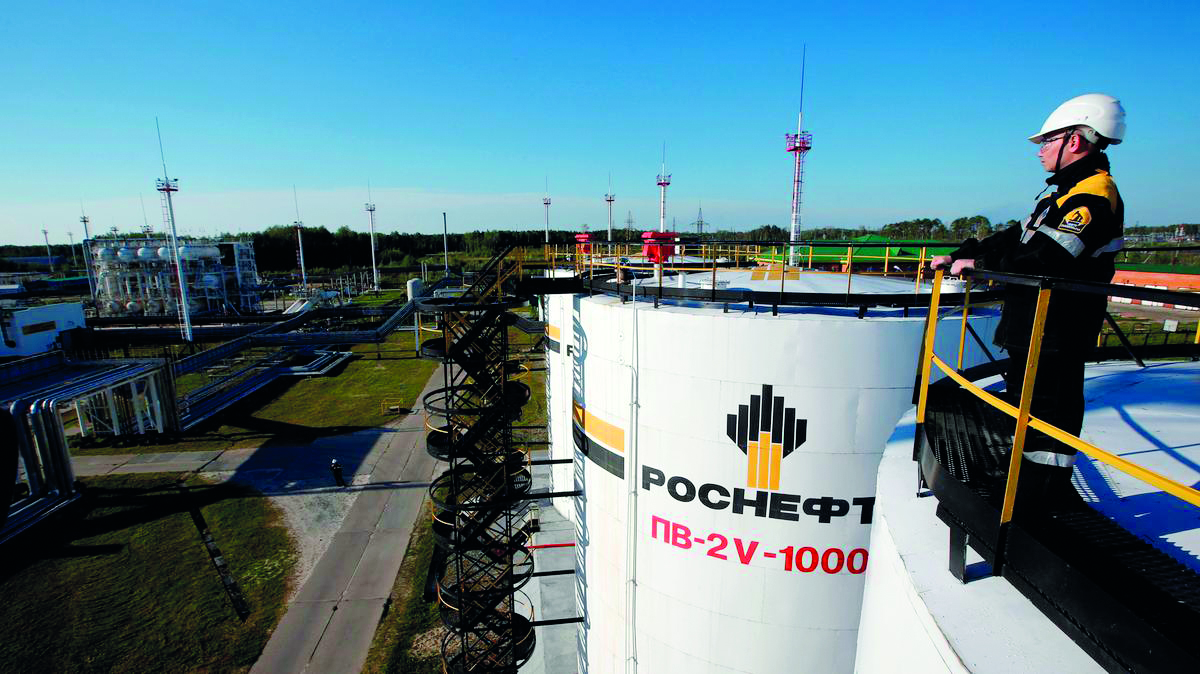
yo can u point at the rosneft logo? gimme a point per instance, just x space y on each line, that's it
766 432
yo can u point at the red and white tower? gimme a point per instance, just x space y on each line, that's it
664 179
798 144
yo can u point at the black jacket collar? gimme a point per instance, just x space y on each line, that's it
1083 168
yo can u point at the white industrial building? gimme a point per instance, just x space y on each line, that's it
28 331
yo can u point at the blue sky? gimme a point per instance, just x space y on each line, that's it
918 109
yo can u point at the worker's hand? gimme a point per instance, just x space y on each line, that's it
957 268
939 261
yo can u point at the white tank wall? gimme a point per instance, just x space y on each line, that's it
851 379
558 310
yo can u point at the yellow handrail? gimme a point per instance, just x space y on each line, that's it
1176 489
962 332
935 300
1031 364
1024 419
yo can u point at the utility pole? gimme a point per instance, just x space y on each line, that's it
546 203
371 215
87 255
168 186
49 258
609 198
445 245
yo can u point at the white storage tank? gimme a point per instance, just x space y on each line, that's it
126 254
146 254
105 254
164 253
727 459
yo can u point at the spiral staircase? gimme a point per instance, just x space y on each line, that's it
479 501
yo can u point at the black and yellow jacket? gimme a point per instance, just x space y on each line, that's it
1073 233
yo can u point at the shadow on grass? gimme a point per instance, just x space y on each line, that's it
104 510
121 580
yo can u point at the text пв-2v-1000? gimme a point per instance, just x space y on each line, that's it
802 558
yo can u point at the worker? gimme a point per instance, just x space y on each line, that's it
336 469
1073 233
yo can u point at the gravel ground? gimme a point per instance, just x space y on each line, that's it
312 510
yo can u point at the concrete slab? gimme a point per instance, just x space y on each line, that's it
230 460
343 648
367 509
304 623
333 573
98 465
392 464
380 562
158 467
403 506
420 468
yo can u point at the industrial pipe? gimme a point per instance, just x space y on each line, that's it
8 464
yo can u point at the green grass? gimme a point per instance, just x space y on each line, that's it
298 411
1142 331
383 297
124 583
409 615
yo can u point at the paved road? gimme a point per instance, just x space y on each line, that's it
329 625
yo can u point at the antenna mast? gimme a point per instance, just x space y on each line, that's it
371 215
167 185
664 179
609 197
799 144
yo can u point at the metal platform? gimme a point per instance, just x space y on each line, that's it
1126 603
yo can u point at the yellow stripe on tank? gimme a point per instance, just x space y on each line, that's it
607 434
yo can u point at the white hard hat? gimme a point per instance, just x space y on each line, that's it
1100 112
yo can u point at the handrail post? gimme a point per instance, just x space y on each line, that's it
962 333
810 255
920 271
886 251
927 350
849 267
714 277
1031 363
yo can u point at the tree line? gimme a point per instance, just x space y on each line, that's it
275 247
